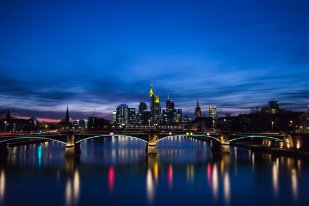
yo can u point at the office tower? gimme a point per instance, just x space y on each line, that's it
155 108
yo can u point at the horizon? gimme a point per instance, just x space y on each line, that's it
94 56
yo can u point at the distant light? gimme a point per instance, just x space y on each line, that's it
111 133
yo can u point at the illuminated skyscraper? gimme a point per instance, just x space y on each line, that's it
198 112
122 114
154 107
213 112
132 116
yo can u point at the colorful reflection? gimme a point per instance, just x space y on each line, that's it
170 176
111 179
190 173
215 182
72 189
294 183
275 174
150 187
40 155
2 185
226 188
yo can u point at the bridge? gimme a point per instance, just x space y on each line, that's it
220 142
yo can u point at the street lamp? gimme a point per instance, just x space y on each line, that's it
5 126
291 126
272 126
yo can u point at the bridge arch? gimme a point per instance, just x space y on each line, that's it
107 135
167 137
31 137
256 136
207 136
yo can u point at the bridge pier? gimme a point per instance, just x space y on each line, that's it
225 147
151 147
220 147
71 148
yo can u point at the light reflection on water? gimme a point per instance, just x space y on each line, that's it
117 168
2 185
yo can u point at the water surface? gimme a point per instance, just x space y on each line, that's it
116 171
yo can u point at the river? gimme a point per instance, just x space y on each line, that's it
117 171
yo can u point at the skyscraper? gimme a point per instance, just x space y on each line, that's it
132 116
170 111
142 107
154 107
198 112
122 114
213 112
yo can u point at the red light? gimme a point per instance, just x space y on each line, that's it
209 173
111 133
111 178
170 176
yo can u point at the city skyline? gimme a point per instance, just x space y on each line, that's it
95 56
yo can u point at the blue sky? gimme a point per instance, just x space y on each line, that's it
95 55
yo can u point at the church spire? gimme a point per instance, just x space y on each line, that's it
198 112
67 116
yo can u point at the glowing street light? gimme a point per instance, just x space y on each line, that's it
272 126
5 126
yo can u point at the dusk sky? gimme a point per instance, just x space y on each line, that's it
95 55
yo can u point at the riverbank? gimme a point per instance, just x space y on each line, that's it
276 151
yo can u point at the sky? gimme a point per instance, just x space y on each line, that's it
95 55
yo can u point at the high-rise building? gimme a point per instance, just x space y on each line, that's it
132 116
142 116
170 111
114 117
154 107
178 116
122 114
273 107
142 107
171 115
198 111
213 112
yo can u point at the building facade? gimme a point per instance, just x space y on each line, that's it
155 108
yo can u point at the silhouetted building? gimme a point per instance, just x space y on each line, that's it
198 111
142 107
273 107
66 123
303 126
96 123
67 117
